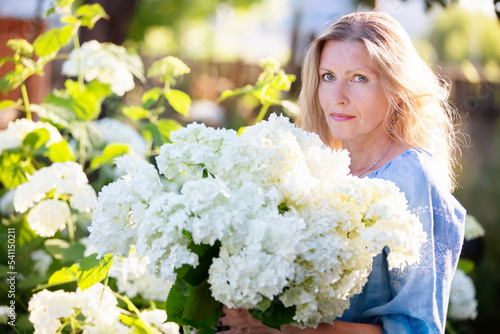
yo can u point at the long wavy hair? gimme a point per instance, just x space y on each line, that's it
425 118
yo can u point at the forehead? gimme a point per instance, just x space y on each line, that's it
345 54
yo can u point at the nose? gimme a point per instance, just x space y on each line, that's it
338 93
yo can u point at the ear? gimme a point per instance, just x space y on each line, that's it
396 100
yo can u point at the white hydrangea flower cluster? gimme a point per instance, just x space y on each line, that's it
156 319
42 261
115 131
133 278
290 220
123 203
473 229
16 131
4 311
47 194
98 306
463 303
98 63
349 221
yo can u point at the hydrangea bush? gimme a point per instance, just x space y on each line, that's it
53 161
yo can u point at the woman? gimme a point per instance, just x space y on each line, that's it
365 89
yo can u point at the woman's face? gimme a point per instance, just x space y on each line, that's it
351 94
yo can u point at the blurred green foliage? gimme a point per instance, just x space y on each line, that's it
479 193
172 13
428 3
459 34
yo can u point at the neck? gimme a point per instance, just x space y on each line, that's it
370 155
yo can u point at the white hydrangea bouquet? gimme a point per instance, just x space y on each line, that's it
269 220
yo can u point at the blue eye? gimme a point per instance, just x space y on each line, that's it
360 78
327 77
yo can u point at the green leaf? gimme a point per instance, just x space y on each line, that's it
3 270
90 14
7 82
180 101
150 97
14 169
201 309
57 108
150 132
276 315
136 323
239 91
26 237
87 134
15 78
50 42
64 275
93 271
31 281
465 265
64 251
165 126
99 89
110 152
59 103
58 6
4 60
89 272
195 276
35 139
86 99
49 11
60 152
176 302
9 104
135 113
263 305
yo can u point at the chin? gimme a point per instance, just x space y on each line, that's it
341 135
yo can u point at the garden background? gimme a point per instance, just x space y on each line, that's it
221 43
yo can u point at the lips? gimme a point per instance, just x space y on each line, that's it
340 117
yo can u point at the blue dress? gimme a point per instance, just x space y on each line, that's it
415 300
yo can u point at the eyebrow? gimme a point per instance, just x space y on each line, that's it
350 71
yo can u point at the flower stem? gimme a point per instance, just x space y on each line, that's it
26 101
83 144
450 329
78 55
149 147
262 112
133 308
15 329
71 233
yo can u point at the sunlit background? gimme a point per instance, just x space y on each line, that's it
222 41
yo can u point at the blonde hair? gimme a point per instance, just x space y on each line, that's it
425 118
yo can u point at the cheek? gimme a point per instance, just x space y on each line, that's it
322 97
375 101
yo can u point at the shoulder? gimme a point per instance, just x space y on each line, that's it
413 170
418 174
